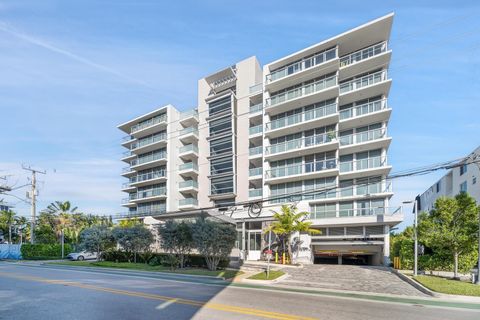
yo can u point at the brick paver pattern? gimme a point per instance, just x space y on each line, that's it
352 278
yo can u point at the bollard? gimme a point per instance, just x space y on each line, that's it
283 258
276 257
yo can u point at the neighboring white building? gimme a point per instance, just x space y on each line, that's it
308 129
460 179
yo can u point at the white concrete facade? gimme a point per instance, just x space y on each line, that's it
309 129
463 178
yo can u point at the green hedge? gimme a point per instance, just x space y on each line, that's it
193 260
44 251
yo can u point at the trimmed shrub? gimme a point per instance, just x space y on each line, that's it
44 251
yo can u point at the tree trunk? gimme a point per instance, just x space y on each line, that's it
10 234
289 247
455 266
135 257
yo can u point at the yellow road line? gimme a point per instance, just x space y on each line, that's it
209 305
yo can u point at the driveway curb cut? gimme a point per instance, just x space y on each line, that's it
414 283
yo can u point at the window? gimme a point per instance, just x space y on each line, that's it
221 185
474 180
219 106
323 210
221 125
463 186
152 207
221 146
346 188
438 187
463 169
221 165
224 203
345 209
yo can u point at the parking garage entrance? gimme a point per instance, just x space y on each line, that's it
348 255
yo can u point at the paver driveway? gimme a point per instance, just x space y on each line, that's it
352 278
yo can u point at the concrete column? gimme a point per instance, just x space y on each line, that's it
243 242
339 259
386 246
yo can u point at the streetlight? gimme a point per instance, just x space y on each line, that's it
415 225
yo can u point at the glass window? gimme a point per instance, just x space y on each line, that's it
221 125
221 165
345 209
221 146
222 185
463 169
346 188
463 186
219 106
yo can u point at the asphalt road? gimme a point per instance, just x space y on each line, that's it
55 292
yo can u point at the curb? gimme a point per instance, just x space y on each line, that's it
414 283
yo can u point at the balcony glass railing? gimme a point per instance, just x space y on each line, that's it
149 158
255 150
363 82
148 176
300 168
189 130
148 193
255 172
256 108
188 184
149 140
363 164
127 138
149 123
253 193
359 212
301 117
363 54
364 136
188 202
188 166
304 90
255 130
302 65
301 143
255 88
363 109
188 148
126 169
189 114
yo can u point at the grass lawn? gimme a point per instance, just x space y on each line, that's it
448 286
263 275
227 274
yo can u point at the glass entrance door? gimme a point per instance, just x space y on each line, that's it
254 245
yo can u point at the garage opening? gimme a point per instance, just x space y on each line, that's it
325 260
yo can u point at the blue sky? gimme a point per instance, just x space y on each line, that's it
73 70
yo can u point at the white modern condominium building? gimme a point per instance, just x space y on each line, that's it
309 129
459 179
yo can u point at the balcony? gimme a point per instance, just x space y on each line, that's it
189 118
255 89
149 161
149 177
370 85
306 120
188 152
364 59
150 125
302 70
188 135
321 89
356 216
148 194
256 130
255 151
149 144
296 171
188 186
377 111
302 146
187 203
255 172
360 191
256 109
188 169
364 167
127 140
364 140
255 193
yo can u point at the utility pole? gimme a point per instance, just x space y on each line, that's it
33 200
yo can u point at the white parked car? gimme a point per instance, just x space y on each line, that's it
82 255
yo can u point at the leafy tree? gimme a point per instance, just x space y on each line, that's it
133 239
213 240
45 234
129 222
451 227
177 241
97 239
7 219
288 221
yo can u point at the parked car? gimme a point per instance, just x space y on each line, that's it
82 255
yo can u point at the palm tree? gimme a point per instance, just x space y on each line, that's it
63 219
21 223
288 221
8 216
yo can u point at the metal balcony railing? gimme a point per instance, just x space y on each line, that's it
363 54
363 82
316 113
361 137
304 90
301 168
362 109
149 123
304 142
363 164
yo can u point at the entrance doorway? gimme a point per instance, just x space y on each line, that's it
254 245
